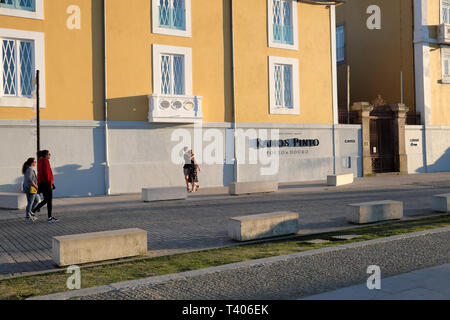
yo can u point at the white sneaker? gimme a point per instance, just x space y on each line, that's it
51 220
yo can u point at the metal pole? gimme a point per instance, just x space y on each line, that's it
38 119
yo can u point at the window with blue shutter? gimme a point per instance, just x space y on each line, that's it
445 11
172 74
282 22
17 57
28 5
172 14
283 86
340 44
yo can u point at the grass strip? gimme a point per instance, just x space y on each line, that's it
91 276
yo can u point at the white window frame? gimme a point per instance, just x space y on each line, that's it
294 12
338 58
441 6
37 14
39 64
168 31
445 51
274 109
172 50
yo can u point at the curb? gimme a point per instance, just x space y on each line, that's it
246 264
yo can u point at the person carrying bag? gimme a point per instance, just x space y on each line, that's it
30 188
45 184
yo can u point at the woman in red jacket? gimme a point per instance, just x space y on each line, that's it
45 183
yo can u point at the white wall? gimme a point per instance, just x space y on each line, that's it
140 155
76 148
436 141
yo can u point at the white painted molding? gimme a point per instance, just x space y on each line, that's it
37 14
295 86
168 31
270 41
334 63
39 64
422 61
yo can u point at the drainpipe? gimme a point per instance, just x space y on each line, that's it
105 105
236 171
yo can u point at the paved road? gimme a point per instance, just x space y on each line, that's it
201 222
293 276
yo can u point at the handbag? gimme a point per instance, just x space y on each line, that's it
33 190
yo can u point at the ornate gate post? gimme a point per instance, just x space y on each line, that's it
364 109
401 159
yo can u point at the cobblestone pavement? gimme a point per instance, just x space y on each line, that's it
298 275
201 221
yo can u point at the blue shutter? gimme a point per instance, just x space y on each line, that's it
277 27
9 68
282 22
164 13
340 43
28 5
287 22
26 68
287 81
165 74
8 4
172 14
278 85
179 15
178 74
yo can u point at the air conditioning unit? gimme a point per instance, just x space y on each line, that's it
444 33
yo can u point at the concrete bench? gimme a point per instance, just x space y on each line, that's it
14 201
374 211
98 246
339 179
163 194
237 188
264 225
441 202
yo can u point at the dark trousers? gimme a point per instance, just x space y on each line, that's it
46 190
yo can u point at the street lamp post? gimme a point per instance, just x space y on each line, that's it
38 131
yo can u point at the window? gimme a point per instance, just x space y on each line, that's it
172 99
172 74
445 57
172 17
21 54
28 5
33 9
340 44
445 11
172 70
282 24
284 86
17 67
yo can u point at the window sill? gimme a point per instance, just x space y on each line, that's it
285 111
37 15
172 32
180 109
17 102
283 46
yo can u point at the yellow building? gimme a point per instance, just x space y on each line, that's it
400 51
124 82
